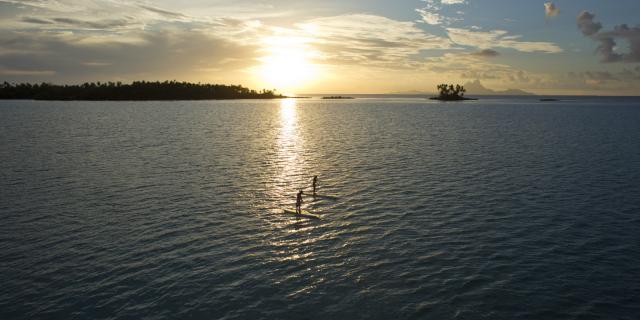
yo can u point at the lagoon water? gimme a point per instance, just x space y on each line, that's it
502 208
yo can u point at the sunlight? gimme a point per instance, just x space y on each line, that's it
287 65
289 140
289 149
288 115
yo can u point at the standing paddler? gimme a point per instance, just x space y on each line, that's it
315 182
299 202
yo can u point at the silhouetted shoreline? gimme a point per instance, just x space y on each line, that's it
136 91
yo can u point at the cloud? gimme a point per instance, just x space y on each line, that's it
367 39
435 4
25 72
163 12
486 53
98 24
608 48
626 80
430 17
590 82
104 15
550 9
593 77
221 50
587 25
630 74
431 13
597 83
173 54
472 67
498 38
353 38
36 20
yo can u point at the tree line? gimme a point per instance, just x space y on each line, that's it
137 90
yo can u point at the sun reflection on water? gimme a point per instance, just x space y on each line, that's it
288 113
290 172
286 158
290 147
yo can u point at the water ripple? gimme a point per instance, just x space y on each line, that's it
495 209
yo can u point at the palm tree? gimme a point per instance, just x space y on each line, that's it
451 92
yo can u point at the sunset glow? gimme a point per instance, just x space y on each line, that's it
334 159
541 47
287 65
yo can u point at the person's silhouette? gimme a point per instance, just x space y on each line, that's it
315 182
299 202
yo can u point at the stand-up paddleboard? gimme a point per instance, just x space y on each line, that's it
304 213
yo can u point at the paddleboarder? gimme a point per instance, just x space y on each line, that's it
299 202
315 182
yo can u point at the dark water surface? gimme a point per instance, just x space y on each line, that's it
496 209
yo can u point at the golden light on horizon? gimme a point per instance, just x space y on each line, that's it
287 65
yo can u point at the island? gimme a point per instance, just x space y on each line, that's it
449 92
337 97
136 91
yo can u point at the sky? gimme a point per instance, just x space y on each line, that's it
571 47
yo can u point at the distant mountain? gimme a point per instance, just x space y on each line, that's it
476 88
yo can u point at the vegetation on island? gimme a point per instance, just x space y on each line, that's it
449 92
337 97
137 90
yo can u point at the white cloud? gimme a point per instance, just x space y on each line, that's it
430 17
431 12
550 9
435 3
498 38
368 39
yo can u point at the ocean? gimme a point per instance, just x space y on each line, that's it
501 208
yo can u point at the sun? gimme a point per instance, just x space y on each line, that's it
287 64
